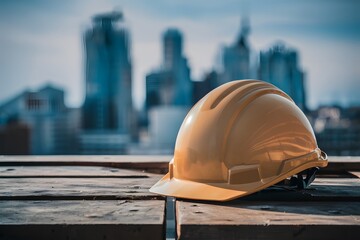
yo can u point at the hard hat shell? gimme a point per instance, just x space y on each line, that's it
242 137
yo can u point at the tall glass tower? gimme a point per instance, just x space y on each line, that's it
108 101
279 66
176 64
236 57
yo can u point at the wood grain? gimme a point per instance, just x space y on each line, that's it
322 189
69 172
342 164
77 188
82 219
65 199
156 164
267 220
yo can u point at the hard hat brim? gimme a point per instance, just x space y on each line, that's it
193 190
180 188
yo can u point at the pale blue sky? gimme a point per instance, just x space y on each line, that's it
41 41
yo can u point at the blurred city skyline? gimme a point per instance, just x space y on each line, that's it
42 41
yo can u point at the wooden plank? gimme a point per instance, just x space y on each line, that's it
123 184
346 159
82 219
268 220
335 188
86 158
357 174
138 215
69 171
342 164
322 189
156 164
77 188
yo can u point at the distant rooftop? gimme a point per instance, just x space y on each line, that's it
172 32
110 16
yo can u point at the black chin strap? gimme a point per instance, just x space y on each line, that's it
299 181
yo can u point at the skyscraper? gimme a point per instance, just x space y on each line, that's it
159 89
172 48
279 66
208 83
168 94
176 63
108 101
171 85
236 57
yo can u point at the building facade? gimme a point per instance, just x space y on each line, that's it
208 83
159 89
236 57
279 66
171 84
108 101
337 129
176 63
53 127
169 94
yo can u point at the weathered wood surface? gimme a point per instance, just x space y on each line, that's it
328 209
69 172
268 220
157 164
92 183
137 188
322 189
99 197
77 188
112 184
68 202
152 159
342 164
125 219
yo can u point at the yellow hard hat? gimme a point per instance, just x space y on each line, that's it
242 137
